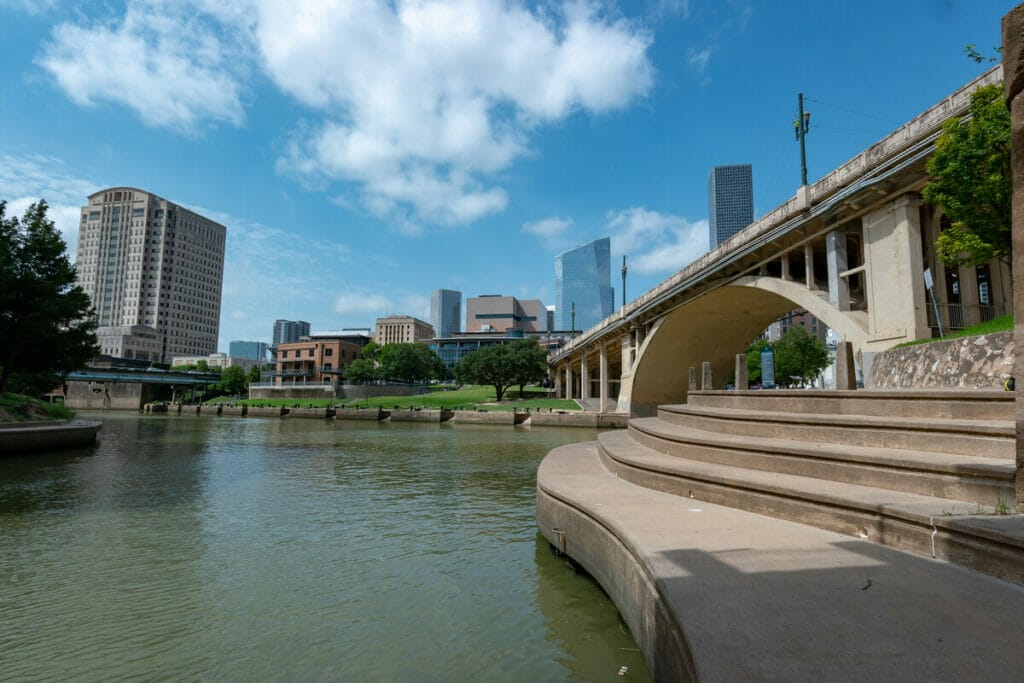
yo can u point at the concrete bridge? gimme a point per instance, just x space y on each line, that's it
851 249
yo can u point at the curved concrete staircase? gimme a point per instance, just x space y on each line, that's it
783 483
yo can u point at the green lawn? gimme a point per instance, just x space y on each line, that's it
14 404
1001 324
468 397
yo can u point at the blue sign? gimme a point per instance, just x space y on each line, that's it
767 369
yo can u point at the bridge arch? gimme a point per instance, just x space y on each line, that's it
715 327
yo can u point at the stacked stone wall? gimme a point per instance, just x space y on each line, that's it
982 362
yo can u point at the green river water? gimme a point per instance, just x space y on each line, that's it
200 548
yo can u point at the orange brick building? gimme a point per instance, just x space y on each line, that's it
314 359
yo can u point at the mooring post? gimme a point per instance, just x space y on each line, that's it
741 383
693 378
705 376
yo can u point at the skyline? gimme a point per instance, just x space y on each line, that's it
363 159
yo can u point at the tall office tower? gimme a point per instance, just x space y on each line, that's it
154 271
446 312
730 202
286 331
582 277
248 349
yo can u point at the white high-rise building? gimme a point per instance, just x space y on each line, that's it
154 271
446 312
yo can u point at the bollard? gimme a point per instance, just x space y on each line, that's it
705 376
741 372
846 372
693 378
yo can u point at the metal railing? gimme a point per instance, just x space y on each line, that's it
961 316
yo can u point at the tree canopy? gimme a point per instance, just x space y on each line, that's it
504 365
971 181
232 381
361 370
47 323
410 363
799 358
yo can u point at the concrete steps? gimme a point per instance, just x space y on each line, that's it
926 472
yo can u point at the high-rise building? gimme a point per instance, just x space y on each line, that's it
286 331
446 311
154 271
402 329
497 313
256 350
730 202
582 279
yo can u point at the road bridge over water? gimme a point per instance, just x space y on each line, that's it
851 249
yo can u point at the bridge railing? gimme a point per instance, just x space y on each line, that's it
961 316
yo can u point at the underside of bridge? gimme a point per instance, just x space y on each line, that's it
713 328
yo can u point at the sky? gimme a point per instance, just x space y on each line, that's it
363 154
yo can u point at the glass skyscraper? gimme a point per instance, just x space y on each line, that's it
730 202
446 312
582 277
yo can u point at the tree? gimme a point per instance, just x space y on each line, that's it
371 350
493 365
970 172
754 359
409 362
254 375
529 363
799 357
232 381
361 370
47 323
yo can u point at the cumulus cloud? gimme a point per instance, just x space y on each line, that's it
168 61
27 179
656 242
374 304
551 232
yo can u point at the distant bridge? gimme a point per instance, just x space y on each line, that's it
142 376
851 249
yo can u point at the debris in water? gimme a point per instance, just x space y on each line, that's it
623 670
867 585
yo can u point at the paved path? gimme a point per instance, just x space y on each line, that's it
762 599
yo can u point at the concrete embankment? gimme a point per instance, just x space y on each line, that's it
719 594
18 437
494 417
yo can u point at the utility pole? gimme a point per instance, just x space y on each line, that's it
624 269
572 329
800 127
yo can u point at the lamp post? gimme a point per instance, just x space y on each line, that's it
572 324
800 128
624 269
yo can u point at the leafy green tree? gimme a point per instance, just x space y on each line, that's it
529 363
799 357
493 365
410 362
232 381
47 323
971 181
253 376
754 359
371 350
361 370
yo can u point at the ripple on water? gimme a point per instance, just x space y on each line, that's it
293 550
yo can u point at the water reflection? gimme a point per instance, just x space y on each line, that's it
198 547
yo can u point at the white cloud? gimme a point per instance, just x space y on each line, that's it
359 302
551 232
699 60
656 242
27 179
166 60
424 101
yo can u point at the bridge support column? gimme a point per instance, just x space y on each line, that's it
584 378
969 295
742 383
895 274
838 288
809 266
556 382
603 371
784 263
568 380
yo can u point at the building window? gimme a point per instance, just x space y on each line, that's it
284 354
310 353
330 352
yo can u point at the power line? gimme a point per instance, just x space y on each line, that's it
854 111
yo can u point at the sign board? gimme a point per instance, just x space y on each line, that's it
928 278
767 369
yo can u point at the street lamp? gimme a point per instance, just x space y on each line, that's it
572 328
624 269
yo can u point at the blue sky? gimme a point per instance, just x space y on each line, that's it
363 154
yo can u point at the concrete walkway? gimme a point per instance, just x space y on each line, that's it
750 597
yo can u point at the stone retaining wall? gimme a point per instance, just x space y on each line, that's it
982 362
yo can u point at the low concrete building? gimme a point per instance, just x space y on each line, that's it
497 313
217 360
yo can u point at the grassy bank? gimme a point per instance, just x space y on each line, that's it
21 408
469 397
1003 323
